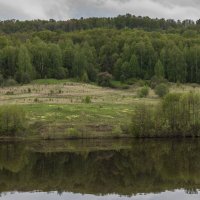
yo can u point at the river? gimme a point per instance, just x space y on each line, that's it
100 170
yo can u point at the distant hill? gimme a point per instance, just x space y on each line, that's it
120 22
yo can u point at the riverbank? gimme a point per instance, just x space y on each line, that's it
70 110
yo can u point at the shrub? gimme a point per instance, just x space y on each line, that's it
36 100
178 115
131 81
9 93
87 100
156 81
141 83
60 73
143 92
142 120
104 79
29 90
118 85
73 133
12 120
178 84
25 78
10 82
84 78
52 92
161 90
182 113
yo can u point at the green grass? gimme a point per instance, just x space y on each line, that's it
94 120
80 113
119 85
52 81
60 108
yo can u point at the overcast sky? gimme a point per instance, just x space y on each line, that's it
66 9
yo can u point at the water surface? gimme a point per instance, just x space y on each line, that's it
97 170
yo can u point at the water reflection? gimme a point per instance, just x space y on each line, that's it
123 168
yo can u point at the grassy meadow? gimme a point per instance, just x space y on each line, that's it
59 109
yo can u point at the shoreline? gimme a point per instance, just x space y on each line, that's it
103 138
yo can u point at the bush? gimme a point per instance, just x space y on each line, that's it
131 81
118 85
85 78
156 81
161 90
23 78
36 100
29 90
87 100
141 83
12 120
143 92
104 79
60 73
73 133
9 93
178 115
142 121
10 82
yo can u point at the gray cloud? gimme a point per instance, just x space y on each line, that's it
10 12
65 9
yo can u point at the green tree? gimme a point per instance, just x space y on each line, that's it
135 66
68 56
80 63
117 69
39 51
91 68
176 68
8 61
192 55
54 60
159 70
126 71
25 72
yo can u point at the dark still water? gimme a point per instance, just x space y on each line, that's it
100 170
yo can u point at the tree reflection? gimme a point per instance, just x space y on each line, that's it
148 166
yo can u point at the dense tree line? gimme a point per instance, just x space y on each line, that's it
119 22
124 55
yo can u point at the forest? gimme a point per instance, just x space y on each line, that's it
125 48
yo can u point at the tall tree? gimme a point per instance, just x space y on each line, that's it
80 62
8 61
134 65
159 70
25 71
39 51
55 64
